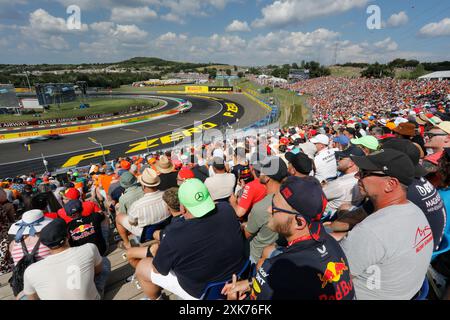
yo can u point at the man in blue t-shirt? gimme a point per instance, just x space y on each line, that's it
208 246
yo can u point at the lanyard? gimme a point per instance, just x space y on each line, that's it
301 239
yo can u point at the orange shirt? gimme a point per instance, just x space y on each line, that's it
105 181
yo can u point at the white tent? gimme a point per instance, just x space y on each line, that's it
439 75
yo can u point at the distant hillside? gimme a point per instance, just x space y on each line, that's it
137 63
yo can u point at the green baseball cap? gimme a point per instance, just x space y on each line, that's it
194 195
370 142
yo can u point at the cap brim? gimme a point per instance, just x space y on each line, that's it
355 141
203 208
364 163
289 156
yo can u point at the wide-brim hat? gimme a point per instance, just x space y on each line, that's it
149 178
163 165
405 129
33 221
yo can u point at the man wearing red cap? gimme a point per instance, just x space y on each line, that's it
89 207
184 174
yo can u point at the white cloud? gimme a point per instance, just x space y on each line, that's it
127 14
125 33
107 4
170 37
55 43
238 26
129 32
171 17
284 12
436 29
40 20
387 44
398 19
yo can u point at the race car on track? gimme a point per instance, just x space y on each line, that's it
42 138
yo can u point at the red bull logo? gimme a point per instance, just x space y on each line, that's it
82 231
333 272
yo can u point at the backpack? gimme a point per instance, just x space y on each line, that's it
16 280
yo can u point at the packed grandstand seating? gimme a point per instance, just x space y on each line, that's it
350 206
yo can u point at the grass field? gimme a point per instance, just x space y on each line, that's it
346 72
97 106
128 88
293 107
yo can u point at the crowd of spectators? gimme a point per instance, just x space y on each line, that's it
350 206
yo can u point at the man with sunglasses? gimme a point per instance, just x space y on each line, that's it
438 138
389 251
344 190
312 266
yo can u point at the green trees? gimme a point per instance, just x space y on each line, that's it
378 71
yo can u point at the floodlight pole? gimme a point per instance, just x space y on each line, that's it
28 80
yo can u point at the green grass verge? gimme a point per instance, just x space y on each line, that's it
129 88
293 107
97 106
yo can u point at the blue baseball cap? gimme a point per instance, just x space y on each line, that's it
342 139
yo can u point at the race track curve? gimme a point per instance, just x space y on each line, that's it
79 150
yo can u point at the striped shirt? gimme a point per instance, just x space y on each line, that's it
149 209
17 251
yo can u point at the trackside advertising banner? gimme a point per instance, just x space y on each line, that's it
220 89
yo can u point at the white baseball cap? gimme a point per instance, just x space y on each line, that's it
320 138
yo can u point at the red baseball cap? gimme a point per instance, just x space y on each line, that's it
72 194
125 165
186 173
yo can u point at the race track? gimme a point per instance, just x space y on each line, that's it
78 150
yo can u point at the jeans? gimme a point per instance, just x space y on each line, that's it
100 279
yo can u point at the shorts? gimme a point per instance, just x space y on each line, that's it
170 283
137 231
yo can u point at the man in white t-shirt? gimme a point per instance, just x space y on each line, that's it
221 185
325 162
344 190
388 252
77 273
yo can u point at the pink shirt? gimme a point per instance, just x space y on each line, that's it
17 251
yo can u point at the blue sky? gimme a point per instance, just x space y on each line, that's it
238 32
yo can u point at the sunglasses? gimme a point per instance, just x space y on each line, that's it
431 134
276 210
366 173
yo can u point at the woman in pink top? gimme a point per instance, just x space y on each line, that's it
27 229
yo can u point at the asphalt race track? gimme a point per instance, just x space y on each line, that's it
213 111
